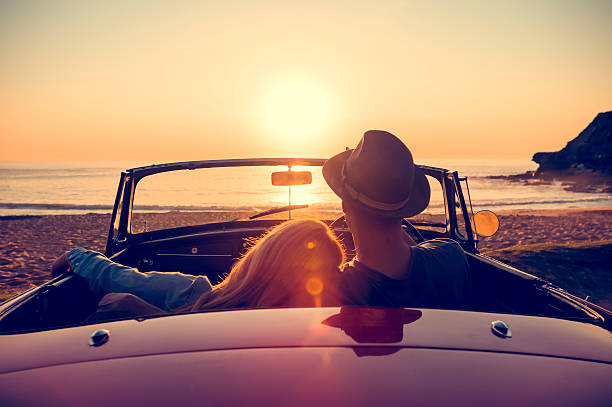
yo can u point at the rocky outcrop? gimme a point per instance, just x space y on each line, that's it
591 151
583 165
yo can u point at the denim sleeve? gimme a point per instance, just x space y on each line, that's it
168 291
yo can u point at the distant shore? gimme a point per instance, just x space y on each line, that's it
574 181
29 244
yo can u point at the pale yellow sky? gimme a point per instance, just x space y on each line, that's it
161 80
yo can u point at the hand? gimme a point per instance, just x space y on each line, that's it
60 266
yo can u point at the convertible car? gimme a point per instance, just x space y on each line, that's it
520 341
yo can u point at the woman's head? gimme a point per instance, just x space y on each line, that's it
295 263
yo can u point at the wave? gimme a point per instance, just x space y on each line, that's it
325 206
77 170
81 207
540 202
51 206
11 175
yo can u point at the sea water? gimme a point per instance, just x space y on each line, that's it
90 187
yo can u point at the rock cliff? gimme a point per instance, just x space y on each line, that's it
583 165
591 151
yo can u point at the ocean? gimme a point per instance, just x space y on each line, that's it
90 187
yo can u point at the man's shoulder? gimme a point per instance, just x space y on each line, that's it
439 242
439 247
439 259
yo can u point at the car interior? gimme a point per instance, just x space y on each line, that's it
211 250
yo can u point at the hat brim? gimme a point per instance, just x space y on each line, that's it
419 196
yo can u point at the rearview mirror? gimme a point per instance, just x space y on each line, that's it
286 178
486 223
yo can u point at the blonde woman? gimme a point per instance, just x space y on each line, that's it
294 264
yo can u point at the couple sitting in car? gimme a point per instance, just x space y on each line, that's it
301 263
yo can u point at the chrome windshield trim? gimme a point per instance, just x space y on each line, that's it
140 172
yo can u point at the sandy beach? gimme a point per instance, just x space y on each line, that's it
29 244
524 227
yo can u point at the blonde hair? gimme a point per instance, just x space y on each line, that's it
294 263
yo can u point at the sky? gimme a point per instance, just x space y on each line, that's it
168 81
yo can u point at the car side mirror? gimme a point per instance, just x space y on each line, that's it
486 223
287 178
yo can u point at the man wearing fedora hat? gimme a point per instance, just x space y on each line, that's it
380 186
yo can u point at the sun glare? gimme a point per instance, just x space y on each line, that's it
294 112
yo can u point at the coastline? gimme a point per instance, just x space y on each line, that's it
29 244
572 181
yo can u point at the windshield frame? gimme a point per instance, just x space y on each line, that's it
120 233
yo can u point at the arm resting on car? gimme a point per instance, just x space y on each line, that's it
168 291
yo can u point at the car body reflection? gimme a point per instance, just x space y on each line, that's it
373 325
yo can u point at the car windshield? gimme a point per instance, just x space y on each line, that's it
211 195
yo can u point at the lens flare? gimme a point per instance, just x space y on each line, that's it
314 286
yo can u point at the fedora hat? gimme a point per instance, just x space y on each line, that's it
379 176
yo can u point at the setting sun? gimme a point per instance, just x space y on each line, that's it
294 111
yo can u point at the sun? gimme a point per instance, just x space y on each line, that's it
293 112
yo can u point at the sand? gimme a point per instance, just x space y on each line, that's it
29 244
550 226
